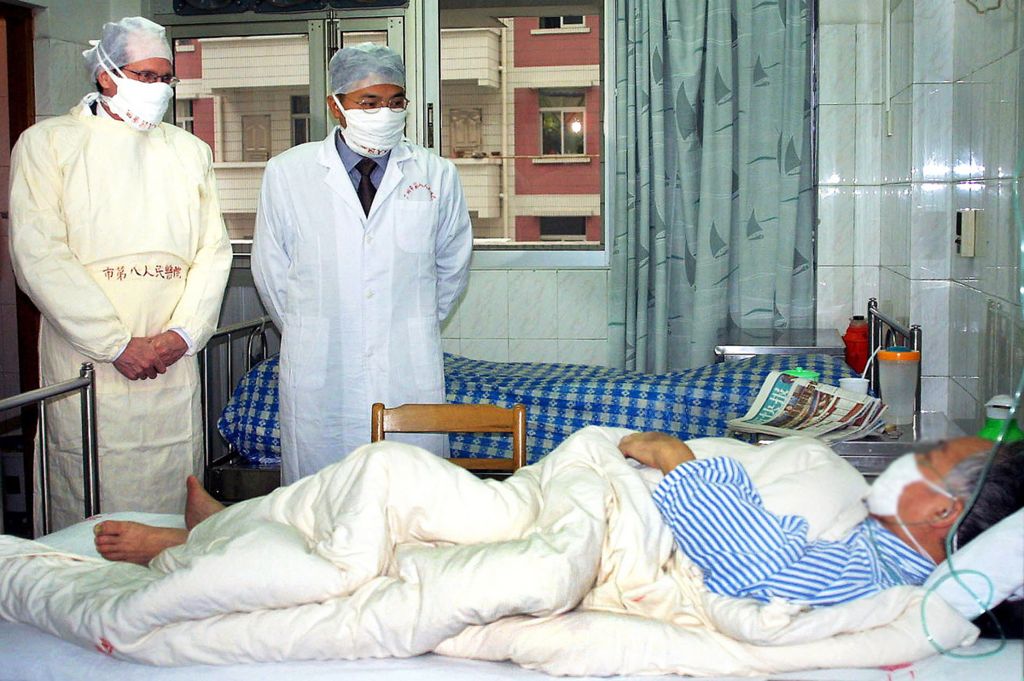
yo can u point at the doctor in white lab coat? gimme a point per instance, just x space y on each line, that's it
358 278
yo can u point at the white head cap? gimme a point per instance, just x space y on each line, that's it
363 65
130 40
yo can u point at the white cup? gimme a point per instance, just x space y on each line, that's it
854 385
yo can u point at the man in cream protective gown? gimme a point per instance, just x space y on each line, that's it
361 249
117 237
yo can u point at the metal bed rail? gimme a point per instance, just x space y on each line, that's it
222 338
85 384
883 330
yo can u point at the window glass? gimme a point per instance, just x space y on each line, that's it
560 22
300 119
569 227
183 115
562 122
521 120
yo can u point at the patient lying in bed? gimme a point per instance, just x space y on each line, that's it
562 567
720 523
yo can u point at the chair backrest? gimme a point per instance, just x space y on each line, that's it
457 418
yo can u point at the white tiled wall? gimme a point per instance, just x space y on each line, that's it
849 243
952 139
532 316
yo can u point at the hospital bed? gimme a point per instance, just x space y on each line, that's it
26 653
559 400
562 398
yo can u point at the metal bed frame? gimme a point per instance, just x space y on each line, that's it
85 384
226 476
883 330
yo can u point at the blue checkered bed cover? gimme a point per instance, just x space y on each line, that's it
559 398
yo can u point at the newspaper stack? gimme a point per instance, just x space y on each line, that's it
787 405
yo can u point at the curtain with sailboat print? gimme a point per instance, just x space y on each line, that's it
713 206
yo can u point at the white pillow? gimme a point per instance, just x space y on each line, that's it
997 553
79 538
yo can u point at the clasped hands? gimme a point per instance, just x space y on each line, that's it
148 356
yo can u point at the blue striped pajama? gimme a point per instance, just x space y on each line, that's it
719 521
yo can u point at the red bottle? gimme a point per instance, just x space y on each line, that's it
856 340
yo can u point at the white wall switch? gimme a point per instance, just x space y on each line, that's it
966 232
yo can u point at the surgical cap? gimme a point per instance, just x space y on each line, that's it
130 40
363 65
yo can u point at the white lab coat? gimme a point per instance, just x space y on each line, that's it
358 299
117 233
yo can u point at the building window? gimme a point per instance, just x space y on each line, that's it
565 228
561 22
300 119
183 117
562 121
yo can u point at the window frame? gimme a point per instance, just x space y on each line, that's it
295 117
563 237
551 257
185 122
562 27
562 110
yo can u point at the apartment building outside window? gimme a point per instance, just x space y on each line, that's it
521 116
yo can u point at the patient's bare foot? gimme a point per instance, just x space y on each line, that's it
134 542
199 505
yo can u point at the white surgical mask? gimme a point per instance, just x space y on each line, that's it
372 134
884 497
140 105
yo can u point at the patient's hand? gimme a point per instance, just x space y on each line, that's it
170 346
657 450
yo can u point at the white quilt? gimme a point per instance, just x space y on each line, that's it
565 567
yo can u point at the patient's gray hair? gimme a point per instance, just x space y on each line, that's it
1001 495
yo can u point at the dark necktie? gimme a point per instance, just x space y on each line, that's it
365 191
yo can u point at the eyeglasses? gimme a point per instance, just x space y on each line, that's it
149 77
373 104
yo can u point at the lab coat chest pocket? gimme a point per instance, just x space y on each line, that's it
304 351
415 225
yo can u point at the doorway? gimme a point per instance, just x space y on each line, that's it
19 320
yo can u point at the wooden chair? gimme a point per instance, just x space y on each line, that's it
457 418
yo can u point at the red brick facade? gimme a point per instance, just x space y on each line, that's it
571 48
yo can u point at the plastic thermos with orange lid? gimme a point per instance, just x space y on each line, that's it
898 369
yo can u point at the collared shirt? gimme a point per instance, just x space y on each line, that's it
349 159
719 521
